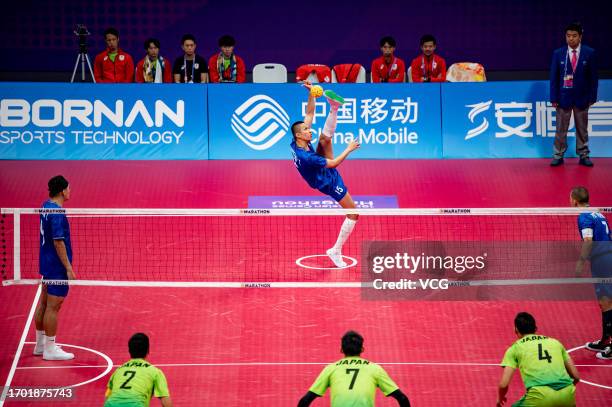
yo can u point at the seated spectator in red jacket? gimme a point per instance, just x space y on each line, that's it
113 65
388 67
225 66
153 68
190 68
428 67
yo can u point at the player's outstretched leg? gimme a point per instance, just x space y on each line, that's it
335 253
324 147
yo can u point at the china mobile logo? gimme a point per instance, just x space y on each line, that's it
260 122
476 110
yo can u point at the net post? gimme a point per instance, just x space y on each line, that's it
17 245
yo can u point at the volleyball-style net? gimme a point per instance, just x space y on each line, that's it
286 247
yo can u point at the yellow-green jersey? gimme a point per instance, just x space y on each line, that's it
541 361
353 382
134 383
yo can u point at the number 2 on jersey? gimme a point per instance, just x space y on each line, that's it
355 373
131 374
543 355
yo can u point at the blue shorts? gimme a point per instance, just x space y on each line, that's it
336 189
58 288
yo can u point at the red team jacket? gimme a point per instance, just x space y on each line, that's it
120 71
393 72
433 68
215 76
166 76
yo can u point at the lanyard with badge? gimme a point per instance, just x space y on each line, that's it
391 68
568 79
426 77
192 69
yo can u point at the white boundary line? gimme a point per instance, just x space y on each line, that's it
586 381
24 334
299 262
109 364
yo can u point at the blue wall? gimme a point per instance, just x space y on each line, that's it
252 121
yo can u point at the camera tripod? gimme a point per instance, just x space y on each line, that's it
82 57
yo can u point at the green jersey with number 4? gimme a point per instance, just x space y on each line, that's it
134 383
353 382
541 361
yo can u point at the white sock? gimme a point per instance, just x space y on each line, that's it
330 123
40 337
345 232
49 343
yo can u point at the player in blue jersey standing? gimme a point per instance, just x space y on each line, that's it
318 167
55 264
596 247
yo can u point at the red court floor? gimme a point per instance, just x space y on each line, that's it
264 347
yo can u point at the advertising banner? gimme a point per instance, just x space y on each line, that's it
392 121
102 121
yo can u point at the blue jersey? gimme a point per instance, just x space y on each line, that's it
53 226
312 167
595 226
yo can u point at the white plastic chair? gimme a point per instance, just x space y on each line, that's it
270 73
409 74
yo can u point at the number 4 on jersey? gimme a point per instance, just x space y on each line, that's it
543 354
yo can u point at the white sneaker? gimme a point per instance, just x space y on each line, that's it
57 354
336 257
39 349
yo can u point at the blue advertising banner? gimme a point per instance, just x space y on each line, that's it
252 121
515 120
102 121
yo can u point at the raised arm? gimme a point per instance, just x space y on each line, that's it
310 108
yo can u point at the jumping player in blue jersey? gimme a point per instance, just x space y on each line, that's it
55 264
596 247
318 167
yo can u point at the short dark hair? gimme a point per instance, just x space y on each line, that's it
188 37
575 26
352 344
427 38
387 40
138 345
56 185
227 41
111 30
580 194
294 127
150 41
525 323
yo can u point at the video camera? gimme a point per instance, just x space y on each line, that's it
82 32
